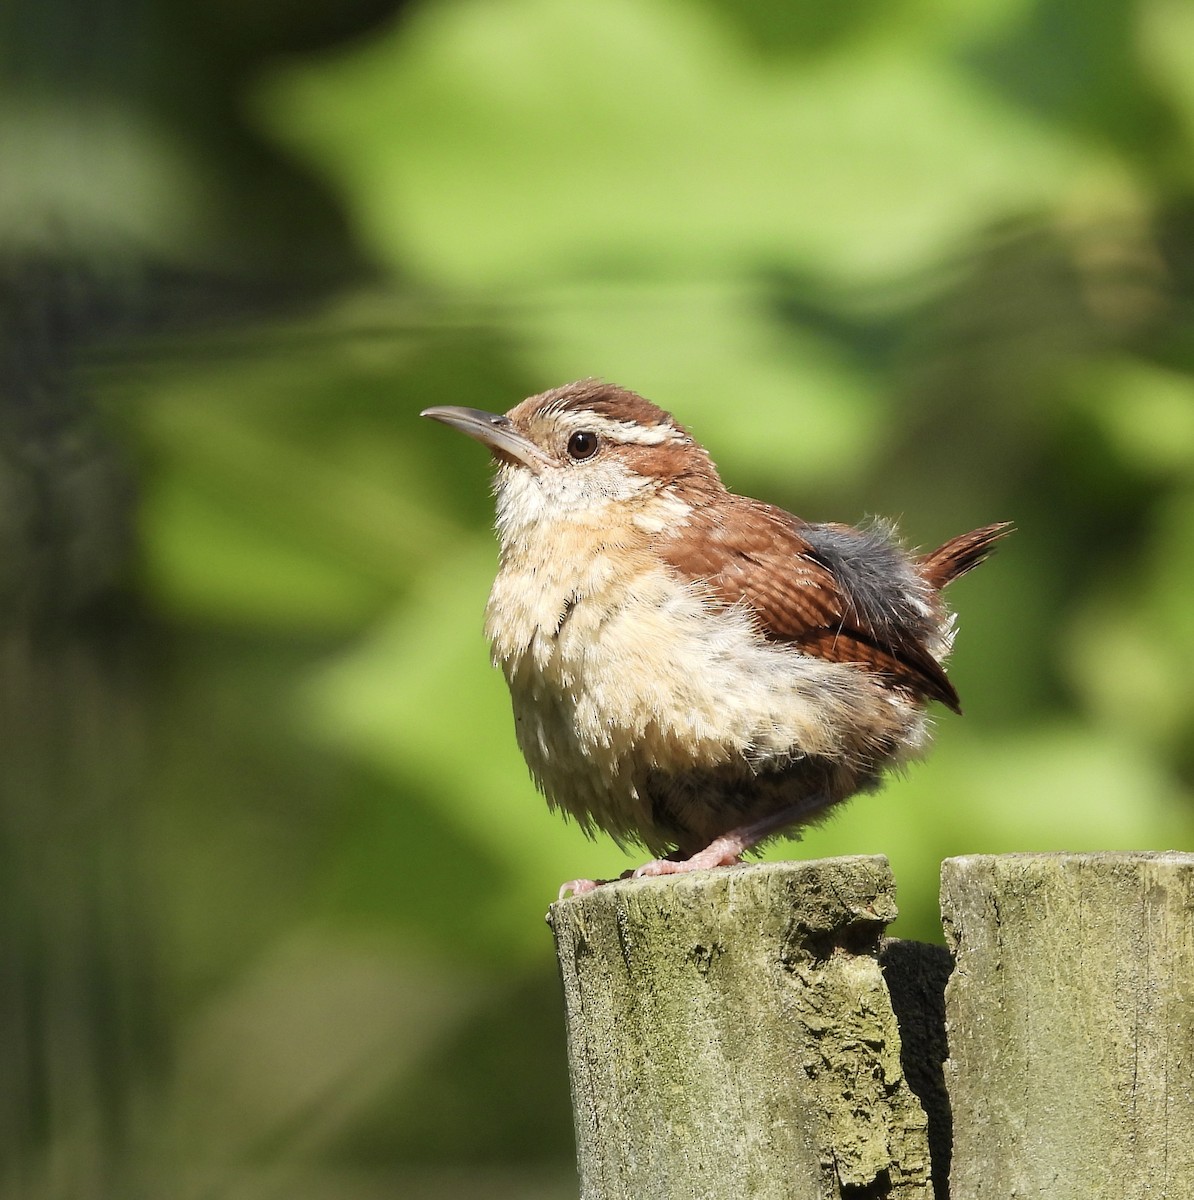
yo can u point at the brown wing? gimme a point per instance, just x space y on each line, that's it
755 554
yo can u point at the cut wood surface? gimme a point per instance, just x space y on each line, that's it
1070 1019
730 1035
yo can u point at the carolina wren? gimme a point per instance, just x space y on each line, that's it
691 669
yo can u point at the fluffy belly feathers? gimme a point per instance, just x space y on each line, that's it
659 716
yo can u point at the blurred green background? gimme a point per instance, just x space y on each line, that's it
272 874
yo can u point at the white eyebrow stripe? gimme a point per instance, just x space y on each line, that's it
627 431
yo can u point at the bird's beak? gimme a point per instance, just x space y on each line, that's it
492 430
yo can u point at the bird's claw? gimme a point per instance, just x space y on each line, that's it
658 866
723 852
578 887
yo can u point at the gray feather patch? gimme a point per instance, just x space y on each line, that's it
875 573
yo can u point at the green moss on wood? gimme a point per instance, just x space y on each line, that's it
730 1034
1070 1019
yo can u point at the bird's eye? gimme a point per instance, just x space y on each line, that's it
582 444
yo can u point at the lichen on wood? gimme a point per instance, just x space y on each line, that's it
1070 1018
730 1034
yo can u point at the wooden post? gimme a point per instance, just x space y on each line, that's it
730 1035
1070 1019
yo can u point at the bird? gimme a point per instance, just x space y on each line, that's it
692 670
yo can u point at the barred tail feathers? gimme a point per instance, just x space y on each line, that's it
961 554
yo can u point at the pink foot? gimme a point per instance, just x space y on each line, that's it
578 887
721 852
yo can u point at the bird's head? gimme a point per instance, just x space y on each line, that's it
589 453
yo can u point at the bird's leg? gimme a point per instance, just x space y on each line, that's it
724 851
727 849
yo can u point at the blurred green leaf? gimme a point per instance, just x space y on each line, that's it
487 145
1147 411
103 175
